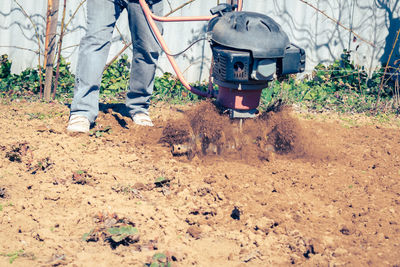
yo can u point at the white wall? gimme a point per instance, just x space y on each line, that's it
322 39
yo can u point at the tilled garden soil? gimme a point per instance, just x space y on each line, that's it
279 190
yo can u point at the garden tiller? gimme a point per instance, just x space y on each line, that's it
249 49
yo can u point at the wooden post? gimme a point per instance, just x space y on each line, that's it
51 34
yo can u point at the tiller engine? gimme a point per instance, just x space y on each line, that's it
249 50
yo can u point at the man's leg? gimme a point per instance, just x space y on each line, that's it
93 52
145 56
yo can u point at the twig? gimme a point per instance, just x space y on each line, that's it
19 47
179 7
73 15
70 46
116 56
338 23
122 37
38 40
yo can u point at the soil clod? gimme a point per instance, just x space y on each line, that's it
81 177
17 152
3 192
235 214
194 231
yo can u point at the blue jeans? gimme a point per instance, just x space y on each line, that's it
95 46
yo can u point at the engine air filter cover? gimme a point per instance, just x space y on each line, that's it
231 65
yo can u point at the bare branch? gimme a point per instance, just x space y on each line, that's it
338 23
179 8
122 37
74 14
70 46
19 47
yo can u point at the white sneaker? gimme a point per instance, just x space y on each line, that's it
142 119
78 124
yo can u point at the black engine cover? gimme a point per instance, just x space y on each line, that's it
249 31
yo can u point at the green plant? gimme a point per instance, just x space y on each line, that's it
116 77
341 86
13 255
159 260
100 132
66 80
5 67
37 115
121 232
169 88
18 84
6 205
28 81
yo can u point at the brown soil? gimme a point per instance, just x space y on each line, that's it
280 190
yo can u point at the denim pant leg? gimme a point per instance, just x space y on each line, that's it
93 52
145 57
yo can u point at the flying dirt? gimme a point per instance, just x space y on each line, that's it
206 131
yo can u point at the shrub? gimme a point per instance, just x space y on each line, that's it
341 86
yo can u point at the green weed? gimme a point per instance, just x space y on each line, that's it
116 234
36 116
6 205
160 260
13 255
116 77
168 88
121 232
100 132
